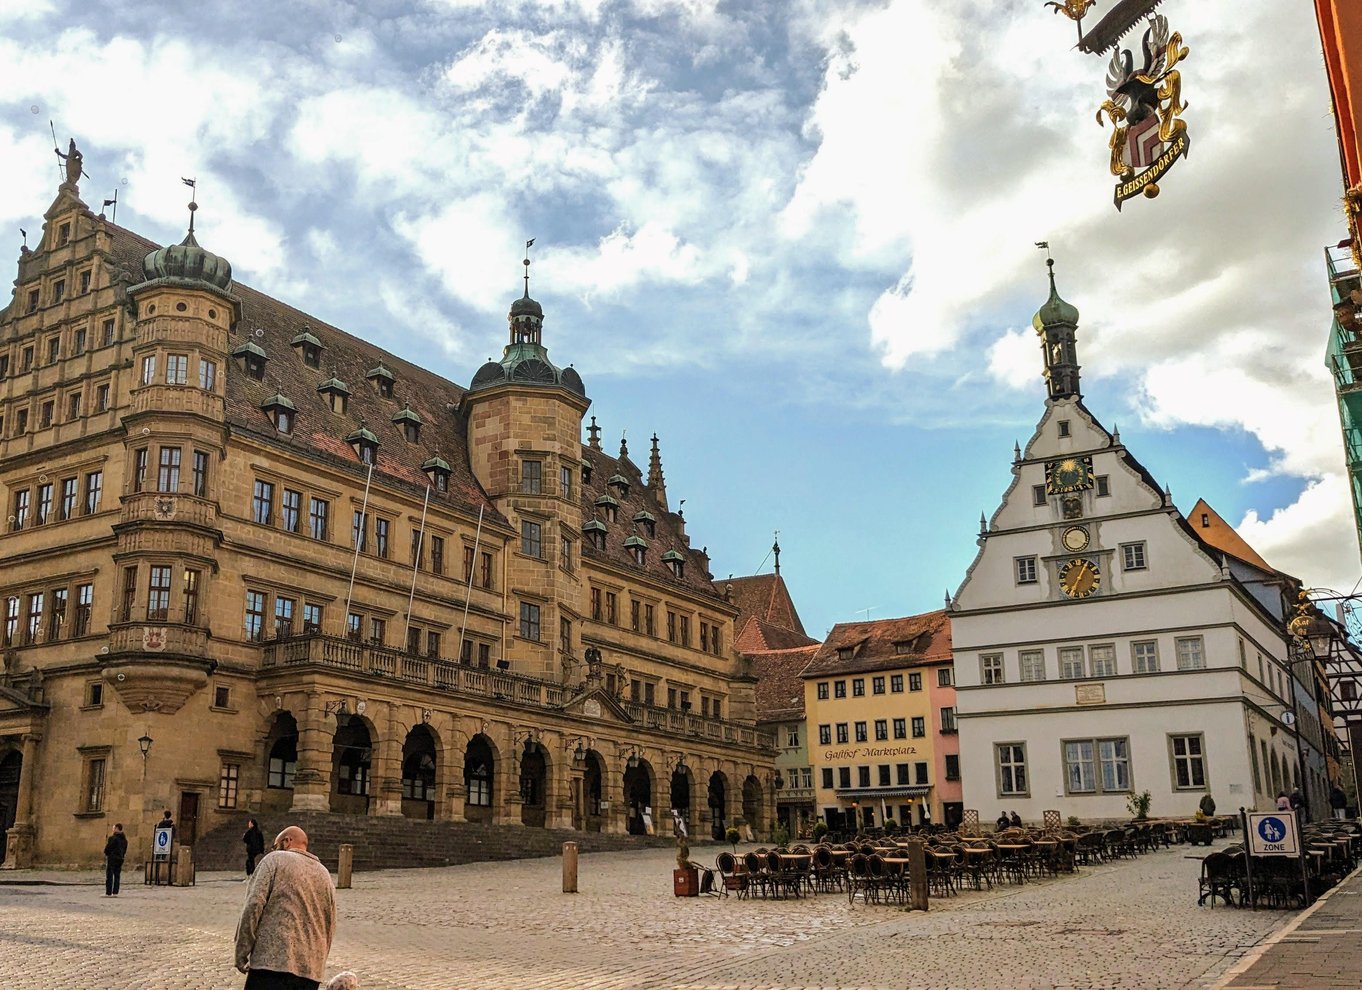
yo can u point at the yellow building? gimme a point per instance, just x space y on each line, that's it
253 563
872 725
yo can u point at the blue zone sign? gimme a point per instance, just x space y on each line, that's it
161 844
1273 835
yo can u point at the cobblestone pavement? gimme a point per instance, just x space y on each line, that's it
1321 950
1133 924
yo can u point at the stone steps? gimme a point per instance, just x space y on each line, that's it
400 843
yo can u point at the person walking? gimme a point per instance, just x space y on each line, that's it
1283 802
1338 803
289 919
1298 804
115 851
255 844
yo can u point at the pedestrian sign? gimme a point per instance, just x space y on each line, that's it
161 845
1273 835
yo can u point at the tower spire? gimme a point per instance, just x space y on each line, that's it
656 484
1057 322
775 549
528 244
594 433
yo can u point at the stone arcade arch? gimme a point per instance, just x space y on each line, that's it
593 789
718 805
534 784
479 767
11 765
638 795
752 805
352 754
281 763
680 794
420 762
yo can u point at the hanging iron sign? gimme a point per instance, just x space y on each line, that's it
1144 106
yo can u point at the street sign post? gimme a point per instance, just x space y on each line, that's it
1274 834
160 848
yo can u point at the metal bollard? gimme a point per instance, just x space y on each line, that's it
917 875
345 867
569 867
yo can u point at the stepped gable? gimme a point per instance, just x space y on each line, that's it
668 526
780 688
1222 536
767 618
443 431
883 644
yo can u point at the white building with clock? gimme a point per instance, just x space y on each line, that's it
1105 645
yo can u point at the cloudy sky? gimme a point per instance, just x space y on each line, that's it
793 237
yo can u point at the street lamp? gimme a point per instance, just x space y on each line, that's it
1314 638
144 742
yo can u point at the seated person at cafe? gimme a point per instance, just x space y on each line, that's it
1003 821
1016 820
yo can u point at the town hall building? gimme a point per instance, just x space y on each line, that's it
1106 646
252 563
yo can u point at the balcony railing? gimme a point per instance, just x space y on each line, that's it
451 676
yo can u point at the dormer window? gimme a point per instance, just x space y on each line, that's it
637 548
844 652
620 484
586 473
281 411
251 358
437 470
364 444
336 393
675 563
382 380
609 508
594 532
645 520
409 423
309 347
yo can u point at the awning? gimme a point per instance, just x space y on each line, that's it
883 792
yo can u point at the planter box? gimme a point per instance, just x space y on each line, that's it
686 883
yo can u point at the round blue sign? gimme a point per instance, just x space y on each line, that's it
1272 829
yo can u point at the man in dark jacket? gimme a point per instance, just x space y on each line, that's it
1338 801
115 851
255 844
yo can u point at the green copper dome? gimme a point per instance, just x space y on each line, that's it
1055 310
188 262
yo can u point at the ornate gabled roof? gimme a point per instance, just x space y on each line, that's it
398 462
669 530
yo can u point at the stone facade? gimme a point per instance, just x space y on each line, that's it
254 563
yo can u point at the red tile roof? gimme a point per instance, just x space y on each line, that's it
780 689
1221 535
767 618
884 644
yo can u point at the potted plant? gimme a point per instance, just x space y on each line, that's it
889 826
781 836
732 835
820 830
1138 805
1073 821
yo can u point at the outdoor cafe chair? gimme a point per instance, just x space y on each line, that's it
730 878
757 880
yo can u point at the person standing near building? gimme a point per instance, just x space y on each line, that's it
1338 802
115 851
289 919
255 844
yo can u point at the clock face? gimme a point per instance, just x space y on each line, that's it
1079 578
1075 538
1072 474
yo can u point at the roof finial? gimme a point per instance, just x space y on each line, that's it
775 549
624 444
1016 451
193 191
594 433
656 484
528 244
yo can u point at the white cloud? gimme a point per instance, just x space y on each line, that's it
1015 359
1311 538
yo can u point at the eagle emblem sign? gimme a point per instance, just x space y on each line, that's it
1144 104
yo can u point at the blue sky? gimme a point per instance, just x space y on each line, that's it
795 238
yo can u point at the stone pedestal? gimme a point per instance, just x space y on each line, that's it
19 847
